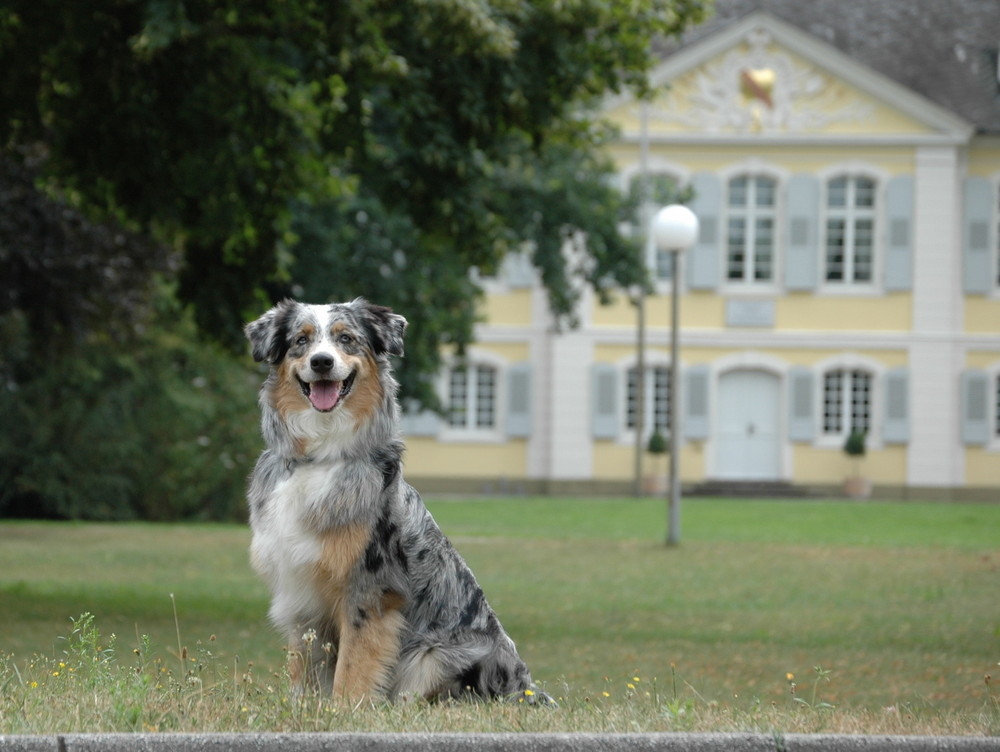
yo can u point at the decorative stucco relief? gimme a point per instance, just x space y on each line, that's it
758 87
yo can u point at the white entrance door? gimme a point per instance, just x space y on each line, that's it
749 446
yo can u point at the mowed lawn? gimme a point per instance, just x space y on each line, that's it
900 602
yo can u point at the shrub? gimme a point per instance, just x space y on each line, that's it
160 427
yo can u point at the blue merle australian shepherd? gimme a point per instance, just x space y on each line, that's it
373 599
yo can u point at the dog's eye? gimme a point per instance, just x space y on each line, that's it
345 339
302 340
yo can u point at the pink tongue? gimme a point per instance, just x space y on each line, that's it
324 394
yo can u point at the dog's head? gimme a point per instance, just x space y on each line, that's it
322 355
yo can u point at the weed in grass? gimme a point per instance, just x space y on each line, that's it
88 688
813 703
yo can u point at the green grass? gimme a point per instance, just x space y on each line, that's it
898 602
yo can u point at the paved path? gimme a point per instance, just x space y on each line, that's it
494 743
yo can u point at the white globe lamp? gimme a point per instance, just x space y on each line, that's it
675 228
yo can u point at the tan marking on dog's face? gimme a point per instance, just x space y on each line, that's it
286 394
366 395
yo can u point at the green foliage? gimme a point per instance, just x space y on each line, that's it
657 444
162 426
252 135
854 446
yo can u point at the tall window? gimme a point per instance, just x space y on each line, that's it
846 402
750 239
472 397
850 230
656 402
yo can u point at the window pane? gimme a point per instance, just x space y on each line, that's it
863 250
864 193
763 249
631 398
833 401
664 264
836 192
860 401
738 191
736 257
765 191
485 396
661 398
835 231
457 406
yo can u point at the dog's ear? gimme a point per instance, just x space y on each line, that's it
268 335
384 327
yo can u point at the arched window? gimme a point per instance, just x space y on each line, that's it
847 401
750 240
656 402
850 230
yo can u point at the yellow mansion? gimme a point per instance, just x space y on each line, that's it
846 277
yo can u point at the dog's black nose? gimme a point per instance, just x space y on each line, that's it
321 363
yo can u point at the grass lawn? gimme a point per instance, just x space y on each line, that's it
898 604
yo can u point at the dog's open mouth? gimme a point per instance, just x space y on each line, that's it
325 394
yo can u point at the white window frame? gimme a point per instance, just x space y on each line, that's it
852 171
749 212
849 379
470 431
654 359
849 363
650 422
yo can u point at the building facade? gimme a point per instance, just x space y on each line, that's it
846 278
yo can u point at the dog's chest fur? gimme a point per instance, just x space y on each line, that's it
289 552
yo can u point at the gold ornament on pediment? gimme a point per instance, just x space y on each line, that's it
757 85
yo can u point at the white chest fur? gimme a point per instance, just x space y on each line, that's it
285 547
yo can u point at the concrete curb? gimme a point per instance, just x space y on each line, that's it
332 742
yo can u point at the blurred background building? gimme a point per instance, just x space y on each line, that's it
844 161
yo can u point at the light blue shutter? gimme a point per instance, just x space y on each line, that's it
801 424
604 395
802 234
519 400
417 422
975 407
896 427
696 408
977 212
704 258
899 246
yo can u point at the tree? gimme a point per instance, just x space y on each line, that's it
359 146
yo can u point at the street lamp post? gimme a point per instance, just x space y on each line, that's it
674 229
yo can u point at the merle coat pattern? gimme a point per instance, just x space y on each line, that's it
372 597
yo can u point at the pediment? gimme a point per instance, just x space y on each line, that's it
763 77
